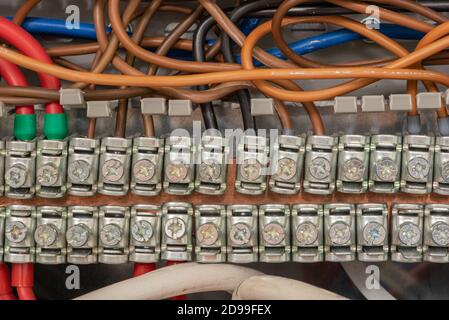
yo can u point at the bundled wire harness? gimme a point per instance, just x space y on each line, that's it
188 137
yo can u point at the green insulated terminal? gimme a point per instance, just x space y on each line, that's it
55 126
25 126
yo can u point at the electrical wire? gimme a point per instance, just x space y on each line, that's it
175 280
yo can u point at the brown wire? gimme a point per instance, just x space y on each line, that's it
23 11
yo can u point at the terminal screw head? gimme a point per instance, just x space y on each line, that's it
306 233
15 177
144 170
47 175
210 170
77 235
286 168
320 168
386 169
353 169
79 171
112 170
45 235
16 231
176 171
207 234
175 228
374 233
273 233
440 234
240 234
142 231
110 234
251 169
409 233
418 168
340 233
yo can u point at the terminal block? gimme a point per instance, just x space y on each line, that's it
145 233
115 162
339 232
82 234
274 233
385 163
20 169
51 223
51 168
82 166
210 233
211 171
287 162
320 164
372 232
179 166
436 233
417 164
353 164
242 226
407 232
252 165
441 167
177 241
113 229
147 164
307 233
20 223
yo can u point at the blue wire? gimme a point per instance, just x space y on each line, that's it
341 36
57 27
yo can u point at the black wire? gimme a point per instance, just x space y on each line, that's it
244 95
207 109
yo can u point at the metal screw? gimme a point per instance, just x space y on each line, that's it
240 234
144 170
207 234
47 175
306 233
386 169
440 234
45 235
340 233
273 233
16 231
320 168
175 228
176 171
409 233
142 231
374 233
251 169
77 235
210 170
418 168
15 177
113 170
79 171
111 234
353 169
445 171
286 168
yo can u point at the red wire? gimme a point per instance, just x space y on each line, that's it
14 77
5 285
181 297
142 268
23 280
27 44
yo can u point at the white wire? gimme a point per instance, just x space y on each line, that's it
266 287
175 280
